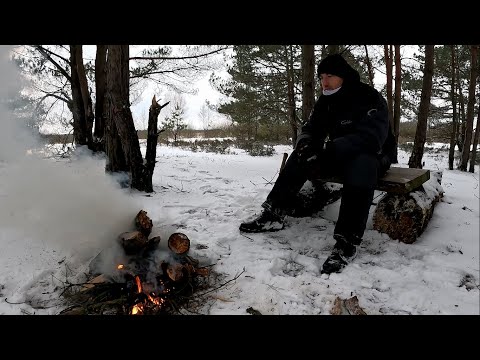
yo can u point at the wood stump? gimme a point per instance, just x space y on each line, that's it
404 217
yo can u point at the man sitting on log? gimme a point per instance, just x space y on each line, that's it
354 117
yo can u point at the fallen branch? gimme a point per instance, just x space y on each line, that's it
222 285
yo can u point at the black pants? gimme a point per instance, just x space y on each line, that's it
359 174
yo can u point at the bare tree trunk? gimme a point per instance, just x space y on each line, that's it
332 49
323 52
369 66
389 69
308 66
462 117
152 138
470 109
78 107
113 147
117 161
421 131
118 78
291 93
100 85
453 135
398 97
87 100
475 143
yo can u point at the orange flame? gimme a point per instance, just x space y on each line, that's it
121 266
139 284
156 300
137 309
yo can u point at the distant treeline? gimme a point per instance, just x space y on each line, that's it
439 133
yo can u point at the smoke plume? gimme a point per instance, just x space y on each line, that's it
69 205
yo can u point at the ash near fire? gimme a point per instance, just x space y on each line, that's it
143 278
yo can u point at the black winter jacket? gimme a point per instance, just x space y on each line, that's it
355 119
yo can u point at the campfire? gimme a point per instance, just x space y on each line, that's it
151 281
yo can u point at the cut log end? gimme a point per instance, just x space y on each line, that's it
179 243
132 242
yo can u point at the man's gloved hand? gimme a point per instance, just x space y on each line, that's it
305 149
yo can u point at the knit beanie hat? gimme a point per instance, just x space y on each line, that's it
335 64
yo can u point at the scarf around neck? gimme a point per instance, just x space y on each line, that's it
330 92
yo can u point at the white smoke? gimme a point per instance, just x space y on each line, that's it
73 206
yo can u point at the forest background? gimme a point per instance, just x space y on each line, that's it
261 96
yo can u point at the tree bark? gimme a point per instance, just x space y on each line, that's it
470 109
86 98
332 49
117 161
461 113
118 97
415 160
454 128
389 75
474 147
308 66
398 97
369 66
404 217
152 139
78 107
291 93
100 87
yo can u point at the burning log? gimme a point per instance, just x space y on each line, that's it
141 283
184 269
143 223
179 243
134 242
175 271
152 242
100 279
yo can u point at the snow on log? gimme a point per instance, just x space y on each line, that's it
405 216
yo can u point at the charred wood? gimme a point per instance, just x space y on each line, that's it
143 223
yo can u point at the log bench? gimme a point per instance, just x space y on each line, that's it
403 211
397 180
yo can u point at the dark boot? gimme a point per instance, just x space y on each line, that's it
343 253
266 221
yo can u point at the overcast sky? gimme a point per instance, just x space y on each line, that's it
193 104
